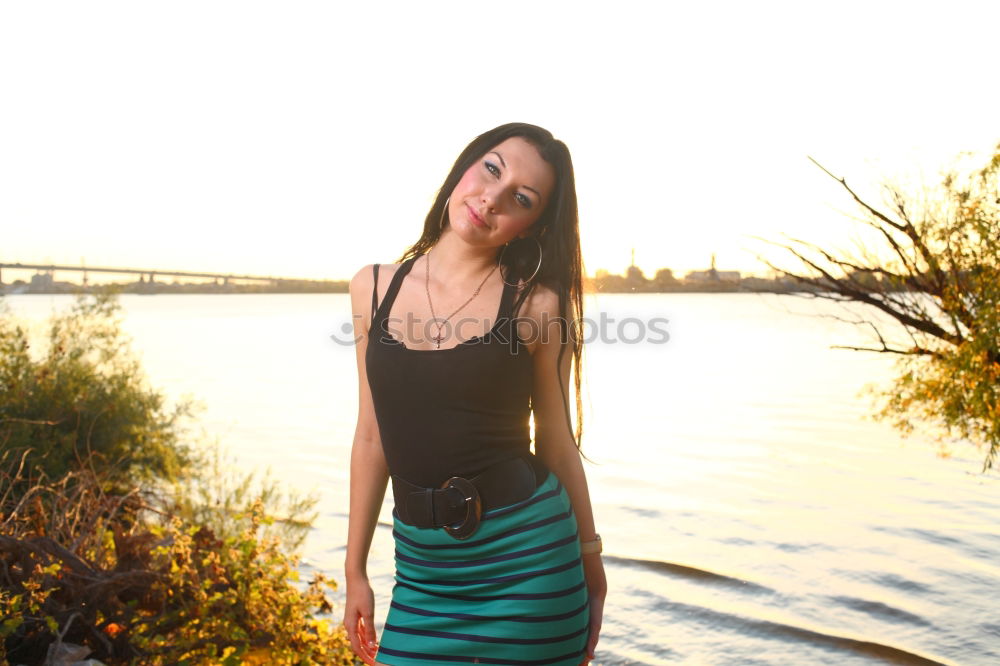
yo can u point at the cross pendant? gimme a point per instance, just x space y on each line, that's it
438 338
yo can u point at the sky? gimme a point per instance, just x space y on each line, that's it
307 139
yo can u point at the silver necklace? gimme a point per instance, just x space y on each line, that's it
427 287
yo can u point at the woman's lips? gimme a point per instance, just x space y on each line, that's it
474 216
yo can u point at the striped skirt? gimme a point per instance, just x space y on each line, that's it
512 593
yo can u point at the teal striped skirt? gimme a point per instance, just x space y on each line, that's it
512 593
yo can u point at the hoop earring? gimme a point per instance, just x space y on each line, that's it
500 262
444 210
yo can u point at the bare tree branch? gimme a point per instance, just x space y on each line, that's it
850 288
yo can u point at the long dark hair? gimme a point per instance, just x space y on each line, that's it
557 229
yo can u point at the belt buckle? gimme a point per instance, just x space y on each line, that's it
473 508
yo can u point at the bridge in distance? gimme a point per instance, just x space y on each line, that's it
143 272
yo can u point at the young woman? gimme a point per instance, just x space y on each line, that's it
497 556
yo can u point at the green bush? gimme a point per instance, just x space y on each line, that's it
86 397
117 538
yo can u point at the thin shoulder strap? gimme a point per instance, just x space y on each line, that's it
382 310
507 300
374 293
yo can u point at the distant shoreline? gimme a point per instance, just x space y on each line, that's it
615 285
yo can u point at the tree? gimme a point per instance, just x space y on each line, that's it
936 272
665 276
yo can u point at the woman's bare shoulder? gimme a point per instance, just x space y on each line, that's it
541 300
537 318
361 282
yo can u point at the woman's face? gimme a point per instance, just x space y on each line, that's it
502 194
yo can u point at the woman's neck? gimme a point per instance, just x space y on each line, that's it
453 261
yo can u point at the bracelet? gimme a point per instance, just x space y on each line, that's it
589 547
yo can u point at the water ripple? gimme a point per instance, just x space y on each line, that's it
691 573
880 610
788 633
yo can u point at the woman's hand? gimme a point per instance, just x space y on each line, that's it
597 588
359 618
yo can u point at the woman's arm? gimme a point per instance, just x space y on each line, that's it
554 442
369 478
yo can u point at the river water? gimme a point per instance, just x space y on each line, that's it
751 513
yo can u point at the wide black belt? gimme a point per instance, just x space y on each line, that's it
458 504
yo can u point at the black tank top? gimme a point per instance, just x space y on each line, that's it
453 411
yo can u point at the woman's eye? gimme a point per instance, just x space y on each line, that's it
523 200
492 168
